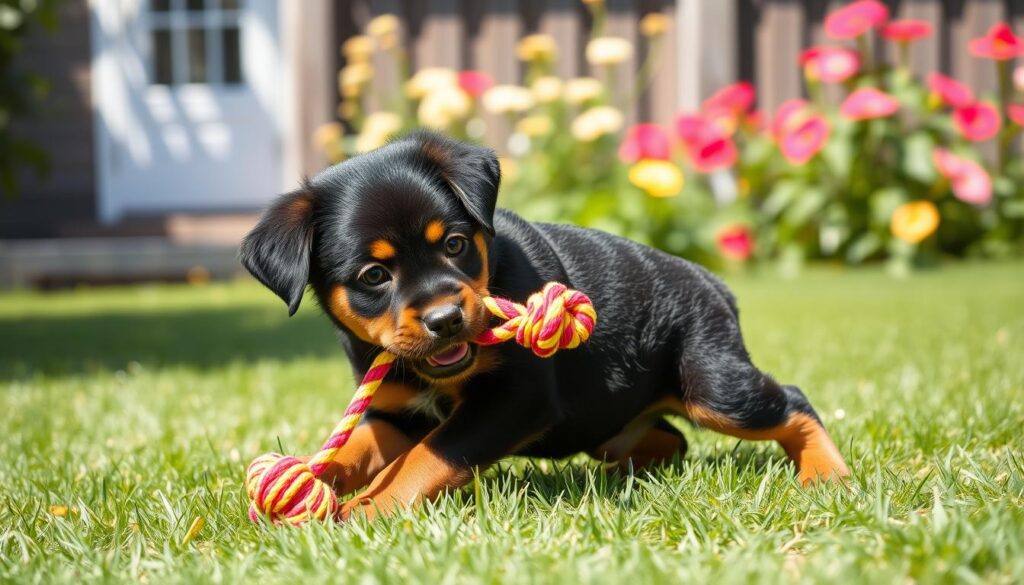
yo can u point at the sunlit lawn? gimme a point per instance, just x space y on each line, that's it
128 414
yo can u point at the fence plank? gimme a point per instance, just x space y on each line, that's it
621 22
777 48
440 35
492 46
662 98
925 56
562 21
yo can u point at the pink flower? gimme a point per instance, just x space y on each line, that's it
708 147
1016 113
1018 78
737 98
855 19
799 132
735 242
645 141
867 103
951 91
977 122
475 83
1000 44
905 31
830 64
969 180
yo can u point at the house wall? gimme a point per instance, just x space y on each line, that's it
63 126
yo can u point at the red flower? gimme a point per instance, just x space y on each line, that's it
867 103
645 141
735 242
475 83
799 132
951 91
737 98
977 122
1000 44
830 64
969 180
707 145
905 31
1016 113
855 19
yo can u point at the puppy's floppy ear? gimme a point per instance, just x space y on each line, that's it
276 251
470 170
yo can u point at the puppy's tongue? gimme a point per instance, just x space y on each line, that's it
449 356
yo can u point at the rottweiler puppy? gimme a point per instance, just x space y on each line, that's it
400 245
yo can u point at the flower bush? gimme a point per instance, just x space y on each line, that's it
898 167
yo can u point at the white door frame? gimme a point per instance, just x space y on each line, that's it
117 70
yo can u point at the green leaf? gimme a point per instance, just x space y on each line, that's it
884 202
807 203
863 247
917 157
780 197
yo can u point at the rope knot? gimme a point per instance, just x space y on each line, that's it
555 318
287 491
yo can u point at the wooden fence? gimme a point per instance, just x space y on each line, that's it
712 42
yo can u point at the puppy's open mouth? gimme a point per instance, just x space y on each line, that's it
450 362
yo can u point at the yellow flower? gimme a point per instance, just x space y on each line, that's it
384 29
534 126
377 128
504 99
546 89
658 178
443 106
654 24
913 222
328 135
384 24
608 51
347 109
582 89
536 48
429 79
353 78
357 49
596 122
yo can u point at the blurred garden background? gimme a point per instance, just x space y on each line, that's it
853 169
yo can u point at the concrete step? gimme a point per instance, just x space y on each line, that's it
119 260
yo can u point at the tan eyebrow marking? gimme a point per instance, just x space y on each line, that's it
382 250
434 231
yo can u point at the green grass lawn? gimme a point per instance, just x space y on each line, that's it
129 414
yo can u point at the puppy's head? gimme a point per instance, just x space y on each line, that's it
395 244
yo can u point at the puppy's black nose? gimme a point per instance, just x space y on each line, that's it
444 321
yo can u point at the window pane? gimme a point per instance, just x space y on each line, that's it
196 55
232 56
162 72
194 5
160 5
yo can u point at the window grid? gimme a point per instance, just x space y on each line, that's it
206 30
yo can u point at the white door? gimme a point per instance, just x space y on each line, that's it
189 105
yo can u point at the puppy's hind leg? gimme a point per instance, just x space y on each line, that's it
738 400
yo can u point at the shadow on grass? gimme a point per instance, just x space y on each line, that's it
573 481
202 338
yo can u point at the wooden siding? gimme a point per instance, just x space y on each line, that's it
63 127
482 34
773 32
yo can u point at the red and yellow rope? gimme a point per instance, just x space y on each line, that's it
287 490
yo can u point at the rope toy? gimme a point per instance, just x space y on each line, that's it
287 490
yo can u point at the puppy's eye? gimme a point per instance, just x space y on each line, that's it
374 275
454 245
